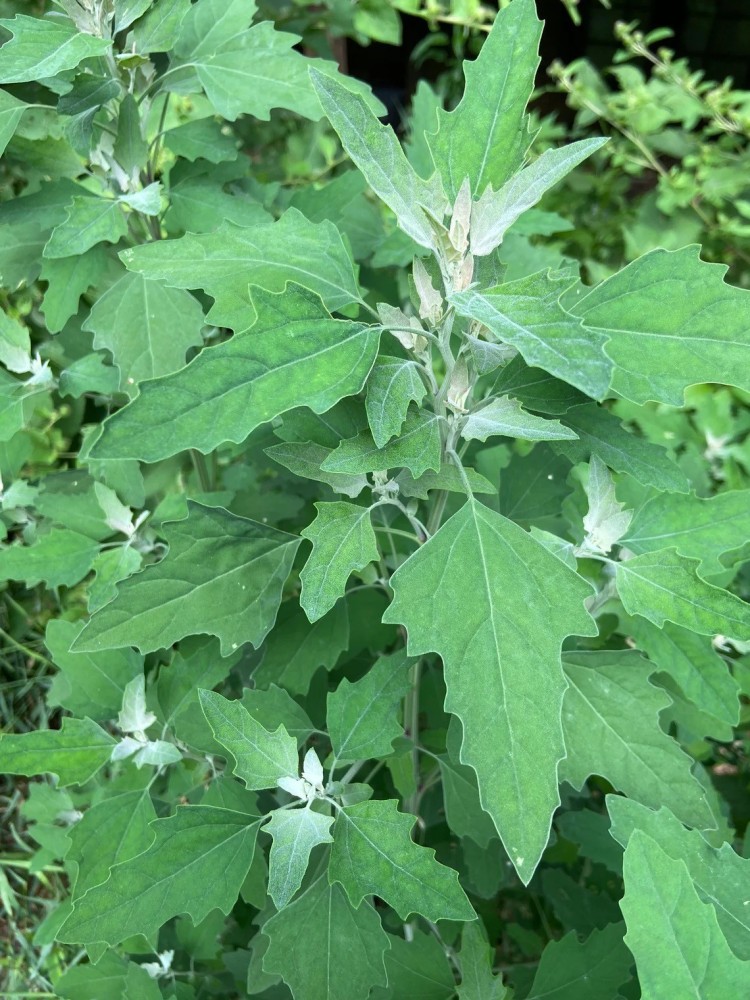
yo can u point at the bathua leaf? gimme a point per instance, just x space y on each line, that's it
497 660
59 558
611 722
197 863
535 389
305 458
261 757
506 417
478 982
675 938
295 354
463 810
11 110
418 969
74 753
606 520
392 384
343 540
295 833
570 969
323 947
67 279
89 221
373 854
42 48
223 576
417 448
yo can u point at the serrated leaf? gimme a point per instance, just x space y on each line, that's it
343 540
417 448
42 48
223 576
203 139
373 854
295 833
196 863
317 937
67 279
276 705
496 210
89 221
527 314
392 384
448 478
59 558
611 722
478 982
261 757
487 136
361 717
226 262
418 969
606 520
305 458
720 876
295 649
466 565
570 969
665 586
74 753
506 417
675 938
674 322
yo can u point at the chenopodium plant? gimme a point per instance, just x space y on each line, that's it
499 617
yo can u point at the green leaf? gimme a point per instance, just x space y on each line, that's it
497 660
528 315
392 384
675 938
343 540
305 458
699 528
295 354
475 959
147 327
59 558
606 520
11 111
377 152
276 705
204 139
196 863
40 48
570 969
611 721
373 854
487 137
89 221
261 757
74 753
295 833
506 416
665 586
127 11
417 448
324 947
448 478
463 809
159 28
719 876
674 322
535 388
496 211
67 279
223 576
88 685
226 262
418 969
15 344
600 433
361 717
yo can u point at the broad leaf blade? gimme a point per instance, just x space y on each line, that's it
590 970
42 48
506 417
295 833
417 448
74 753
392 384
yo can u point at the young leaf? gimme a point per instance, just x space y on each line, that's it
392 384
373 854
506 416
448 478
475 958
361 717
665 586
74 753
295 833
465 565
343 540
261 757
197 863
528 315
417 448
42 48
294 355
611 723
223 576
675 938
570 969
606 520
89 221
487 137
324 947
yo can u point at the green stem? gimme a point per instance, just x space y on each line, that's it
199 464
25 649
411 719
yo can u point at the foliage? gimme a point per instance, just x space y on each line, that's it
394 663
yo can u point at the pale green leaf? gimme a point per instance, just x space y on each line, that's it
361 717
417 448
343 540
392 384
58 558
15 344
497 660
373 854
478 982
305 458
223 576
261 757
89 221
197 863
127 11
665 586
611 722
505 416
159 28
606 520
42 48
324 947
295 833
528 315
74 753
593 969
295 354
676 940
146 200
